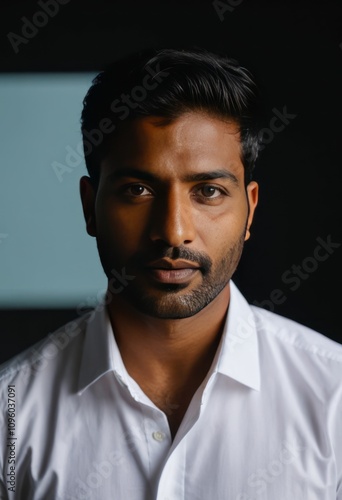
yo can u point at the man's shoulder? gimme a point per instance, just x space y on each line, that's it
292 335
44 357
283 333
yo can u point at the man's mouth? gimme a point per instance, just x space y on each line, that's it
168 271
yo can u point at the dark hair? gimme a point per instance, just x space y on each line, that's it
168 83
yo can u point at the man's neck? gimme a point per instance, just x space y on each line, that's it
169 358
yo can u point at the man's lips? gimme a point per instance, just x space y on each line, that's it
167 271
172 264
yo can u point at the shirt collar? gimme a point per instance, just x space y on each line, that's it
239 351
97 356
237 358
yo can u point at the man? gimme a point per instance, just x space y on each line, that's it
174 387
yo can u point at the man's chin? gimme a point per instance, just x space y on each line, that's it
165 303
170 301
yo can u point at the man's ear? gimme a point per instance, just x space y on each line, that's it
252 195
88 196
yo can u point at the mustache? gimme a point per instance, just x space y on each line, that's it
199 258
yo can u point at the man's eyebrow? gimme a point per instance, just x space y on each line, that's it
121 172
212 174
194 177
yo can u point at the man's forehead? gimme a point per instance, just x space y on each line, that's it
189 125
192 137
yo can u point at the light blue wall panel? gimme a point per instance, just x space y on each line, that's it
46 257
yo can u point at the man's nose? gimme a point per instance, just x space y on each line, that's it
172 219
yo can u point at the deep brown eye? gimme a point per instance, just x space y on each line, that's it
210 191
137 190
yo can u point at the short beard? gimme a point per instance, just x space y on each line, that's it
174 305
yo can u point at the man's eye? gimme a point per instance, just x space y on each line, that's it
209 191
137 190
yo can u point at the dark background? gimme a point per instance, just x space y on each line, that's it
295 50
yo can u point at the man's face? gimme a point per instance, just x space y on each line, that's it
172 209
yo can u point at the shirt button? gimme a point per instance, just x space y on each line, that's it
158 436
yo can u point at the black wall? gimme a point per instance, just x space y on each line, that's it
295 50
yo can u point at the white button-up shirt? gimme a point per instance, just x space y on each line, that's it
266 423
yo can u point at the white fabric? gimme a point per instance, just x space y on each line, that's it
265 424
